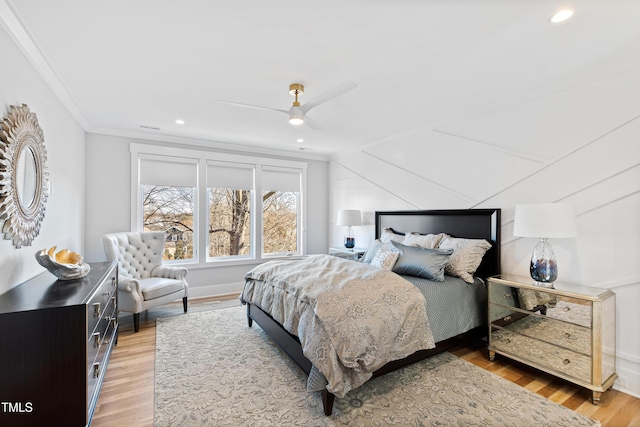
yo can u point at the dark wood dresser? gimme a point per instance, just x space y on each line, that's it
55 341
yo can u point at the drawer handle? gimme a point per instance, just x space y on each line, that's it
507 341
113 281
113 301
507 296
96 340
114 321
566 361
96 309
506 318
96 370
567 335
567 308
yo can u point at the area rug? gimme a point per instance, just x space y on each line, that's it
211 369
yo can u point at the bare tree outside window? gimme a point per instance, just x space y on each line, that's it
280 222
229 222
170 209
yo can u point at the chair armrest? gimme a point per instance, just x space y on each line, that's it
177 273
128 284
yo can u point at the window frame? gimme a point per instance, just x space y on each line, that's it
201 202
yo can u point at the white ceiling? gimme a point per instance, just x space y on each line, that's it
120 64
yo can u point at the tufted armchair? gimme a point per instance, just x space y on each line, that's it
143 282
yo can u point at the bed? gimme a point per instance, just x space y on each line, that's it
477 224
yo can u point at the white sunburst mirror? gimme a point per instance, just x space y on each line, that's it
23 176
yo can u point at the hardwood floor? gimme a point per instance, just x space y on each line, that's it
127 393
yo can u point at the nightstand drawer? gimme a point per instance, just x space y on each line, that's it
501 296
561 360
566 335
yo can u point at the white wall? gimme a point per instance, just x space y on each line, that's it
575 141
108 179
63 223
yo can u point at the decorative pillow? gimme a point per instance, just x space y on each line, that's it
429 241
421 262
389 235
373 249
466 257
385 258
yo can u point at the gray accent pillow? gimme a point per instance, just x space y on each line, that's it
421 262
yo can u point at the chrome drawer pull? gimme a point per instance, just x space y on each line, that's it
96 309
567 335
96 370
96 340
507 341
506 318
113 301
567 308
507 296
566 361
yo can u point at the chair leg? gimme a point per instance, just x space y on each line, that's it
136 322
184 304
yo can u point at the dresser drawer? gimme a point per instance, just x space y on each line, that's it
570 336
97 366
547 356
102 301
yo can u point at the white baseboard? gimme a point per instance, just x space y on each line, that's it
215 290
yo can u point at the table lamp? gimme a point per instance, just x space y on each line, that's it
544 220
349 217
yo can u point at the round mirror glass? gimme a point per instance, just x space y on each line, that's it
26 177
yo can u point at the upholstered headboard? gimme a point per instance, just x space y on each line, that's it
467 223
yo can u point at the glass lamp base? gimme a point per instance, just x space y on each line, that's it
349 239
543 267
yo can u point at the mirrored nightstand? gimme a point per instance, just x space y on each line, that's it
354 254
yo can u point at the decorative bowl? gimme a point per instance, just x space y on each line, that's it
65 265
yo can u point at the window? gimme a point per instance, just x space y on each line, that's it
280 210
218 208
168 203
230 191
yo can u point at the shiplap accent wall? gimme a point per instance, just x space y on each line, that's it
575 141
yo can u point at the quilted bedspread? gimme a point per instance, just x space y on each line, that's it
351 318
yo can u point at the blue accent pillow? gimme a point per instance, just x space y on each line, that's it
420 262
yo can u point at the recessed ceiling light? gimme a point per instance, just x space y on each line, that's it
180 122
561 16
300 140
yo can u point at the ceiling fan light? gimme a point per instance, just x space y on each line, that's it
561 16
296 120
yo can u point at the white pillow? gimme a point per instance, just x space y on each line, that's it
466 257
388 235
427 241
385 259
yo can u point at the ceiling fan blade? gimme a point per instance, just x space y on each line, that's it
329 95
312 123
239 104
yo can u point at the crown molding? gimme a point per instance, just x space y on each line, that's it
11 22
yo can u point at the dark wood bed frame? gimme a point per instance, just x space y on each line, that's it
469 223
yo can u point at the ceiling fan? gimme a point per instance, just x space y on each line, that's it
297 113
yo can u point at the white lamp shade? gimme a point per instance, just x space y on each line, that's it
545 220
349 217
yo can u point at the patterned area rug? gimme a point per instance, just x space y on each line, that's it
211 369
